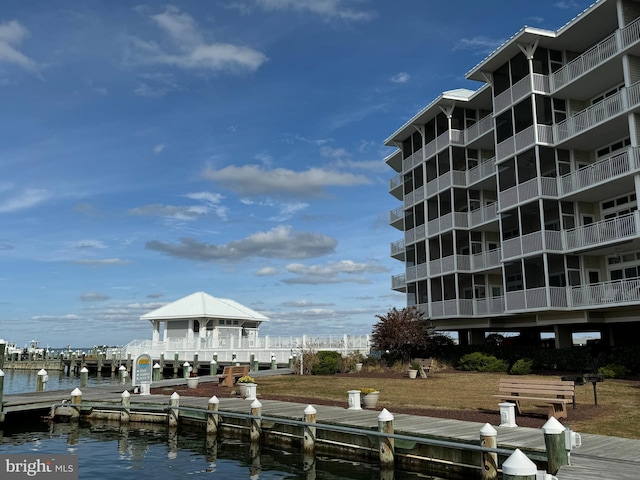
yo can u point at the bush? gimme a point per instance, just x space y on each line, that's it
329 363
481 362
524 366
612 371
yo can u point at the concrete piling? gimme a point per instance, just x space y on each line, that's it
309 432
387 447
212 417
175 364
488 438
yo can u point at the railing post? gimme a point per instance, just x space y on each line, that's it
309 433
213 417
386 449
488 439
554 440
76 400
174 404
125 413
256 423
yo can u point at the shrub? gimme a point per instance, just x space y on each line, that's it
524 366
481 362
612 371
329 363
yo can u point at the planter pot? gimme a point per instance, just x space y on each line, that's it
358 367
242 389
413 373
192 382
370 400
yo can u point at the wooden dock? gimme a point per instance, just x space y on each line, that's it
599 457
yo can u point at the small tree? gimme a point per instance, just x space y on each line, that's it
402 332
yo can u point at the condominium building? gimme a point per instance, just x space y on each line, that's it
519 199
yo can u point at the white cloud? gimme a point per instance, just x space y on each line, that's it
329 9
255 180
267 272
88 244
280 242
210 202
480 44
28 198
191 50
93 297
159 148
332 272
156 85
102 261
11 36
402 77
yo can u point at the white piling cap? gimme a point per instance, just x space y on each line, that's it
214 399
122 367
76 392
186 364
256 404
553 427
1 373
385 416
175 395
213 361
156 365
125 394
518 464
42 371
310 410
84 370
488 431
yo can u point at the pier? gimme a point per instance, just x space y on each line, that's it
439 446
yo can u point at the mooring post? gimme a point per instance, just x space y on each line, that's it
41 382
157 372
256 424
76 400
233 358
291 364
488 438
554 440
195 362
100 361
174 403
255 365
186 368
519 467
125 413
215 357
386 449
176 361
213 367
84 376
274 364
113 364
122 373
212 416
309 432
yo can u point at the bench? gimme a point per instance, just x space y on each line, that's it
555 393
424 366
231 374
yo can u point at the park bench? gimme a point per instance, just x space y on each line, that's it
555 393
424 366
231 374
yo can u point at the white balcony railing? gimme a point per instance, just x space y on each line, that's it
604 232
484 170
482 126
526 191
397 248
398 282
538 84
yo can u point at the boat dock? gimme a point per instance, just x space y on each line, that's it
445 444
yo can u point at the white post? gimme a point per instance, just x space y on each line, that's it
508 414
41 383
354 400
488 438
251 391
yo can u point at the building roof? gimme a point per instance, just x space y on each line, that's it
203 305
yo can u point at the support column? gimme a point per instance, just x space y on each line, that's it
563 336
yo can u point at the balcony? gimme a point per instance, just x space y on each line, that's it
396 218
527 138
483 171
535 83
478 129
467 307
416 272
450 137
398 283
417 196
603 233
447 222
536 299
415 234
483 215
527 191
395 186
412 160
397 250
532 243
598 113
584 180
452 178
605 294
465 263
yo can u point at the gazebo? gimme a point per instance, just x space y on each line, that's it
202 321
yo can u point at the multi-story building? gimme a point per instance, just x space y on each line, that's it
519 199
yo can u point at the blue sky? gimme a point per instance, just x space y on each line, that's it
151 150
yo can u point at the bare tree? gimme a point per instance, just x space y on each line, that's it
401 332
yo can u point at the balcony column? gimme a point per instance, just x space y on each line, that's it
156 331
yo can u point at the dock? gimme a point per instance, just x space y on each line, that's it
599 457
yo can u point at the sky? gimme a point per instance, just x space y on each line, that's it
152 150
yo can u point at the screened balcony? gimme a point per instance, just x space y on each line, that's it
399 283
532 83
526 191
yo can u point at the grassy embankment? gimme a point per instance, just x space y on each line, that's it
617 412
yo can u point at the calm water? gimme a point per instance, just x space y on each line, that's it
113 452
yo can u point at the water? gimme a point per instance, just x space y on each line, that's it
148 451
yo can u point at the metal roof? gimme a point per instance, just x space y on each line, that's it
203 305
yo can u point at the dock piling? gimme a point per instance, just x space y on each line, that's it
256 425
174 403
125 413
519 467
387 447
41 382
309 433
554 440
84 376
213 367
157 372
76 399
488 438
213 417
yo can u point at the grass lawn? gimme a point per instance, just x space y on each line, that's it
617 412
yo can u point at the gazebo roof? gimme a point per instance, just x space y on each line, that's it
203 305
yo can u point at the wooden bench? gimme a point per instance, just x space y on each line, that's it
555 393
231 374
424 366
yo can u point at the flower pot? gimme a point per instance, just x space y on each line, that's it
358 367
242 389
370 400
192 382
413 373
